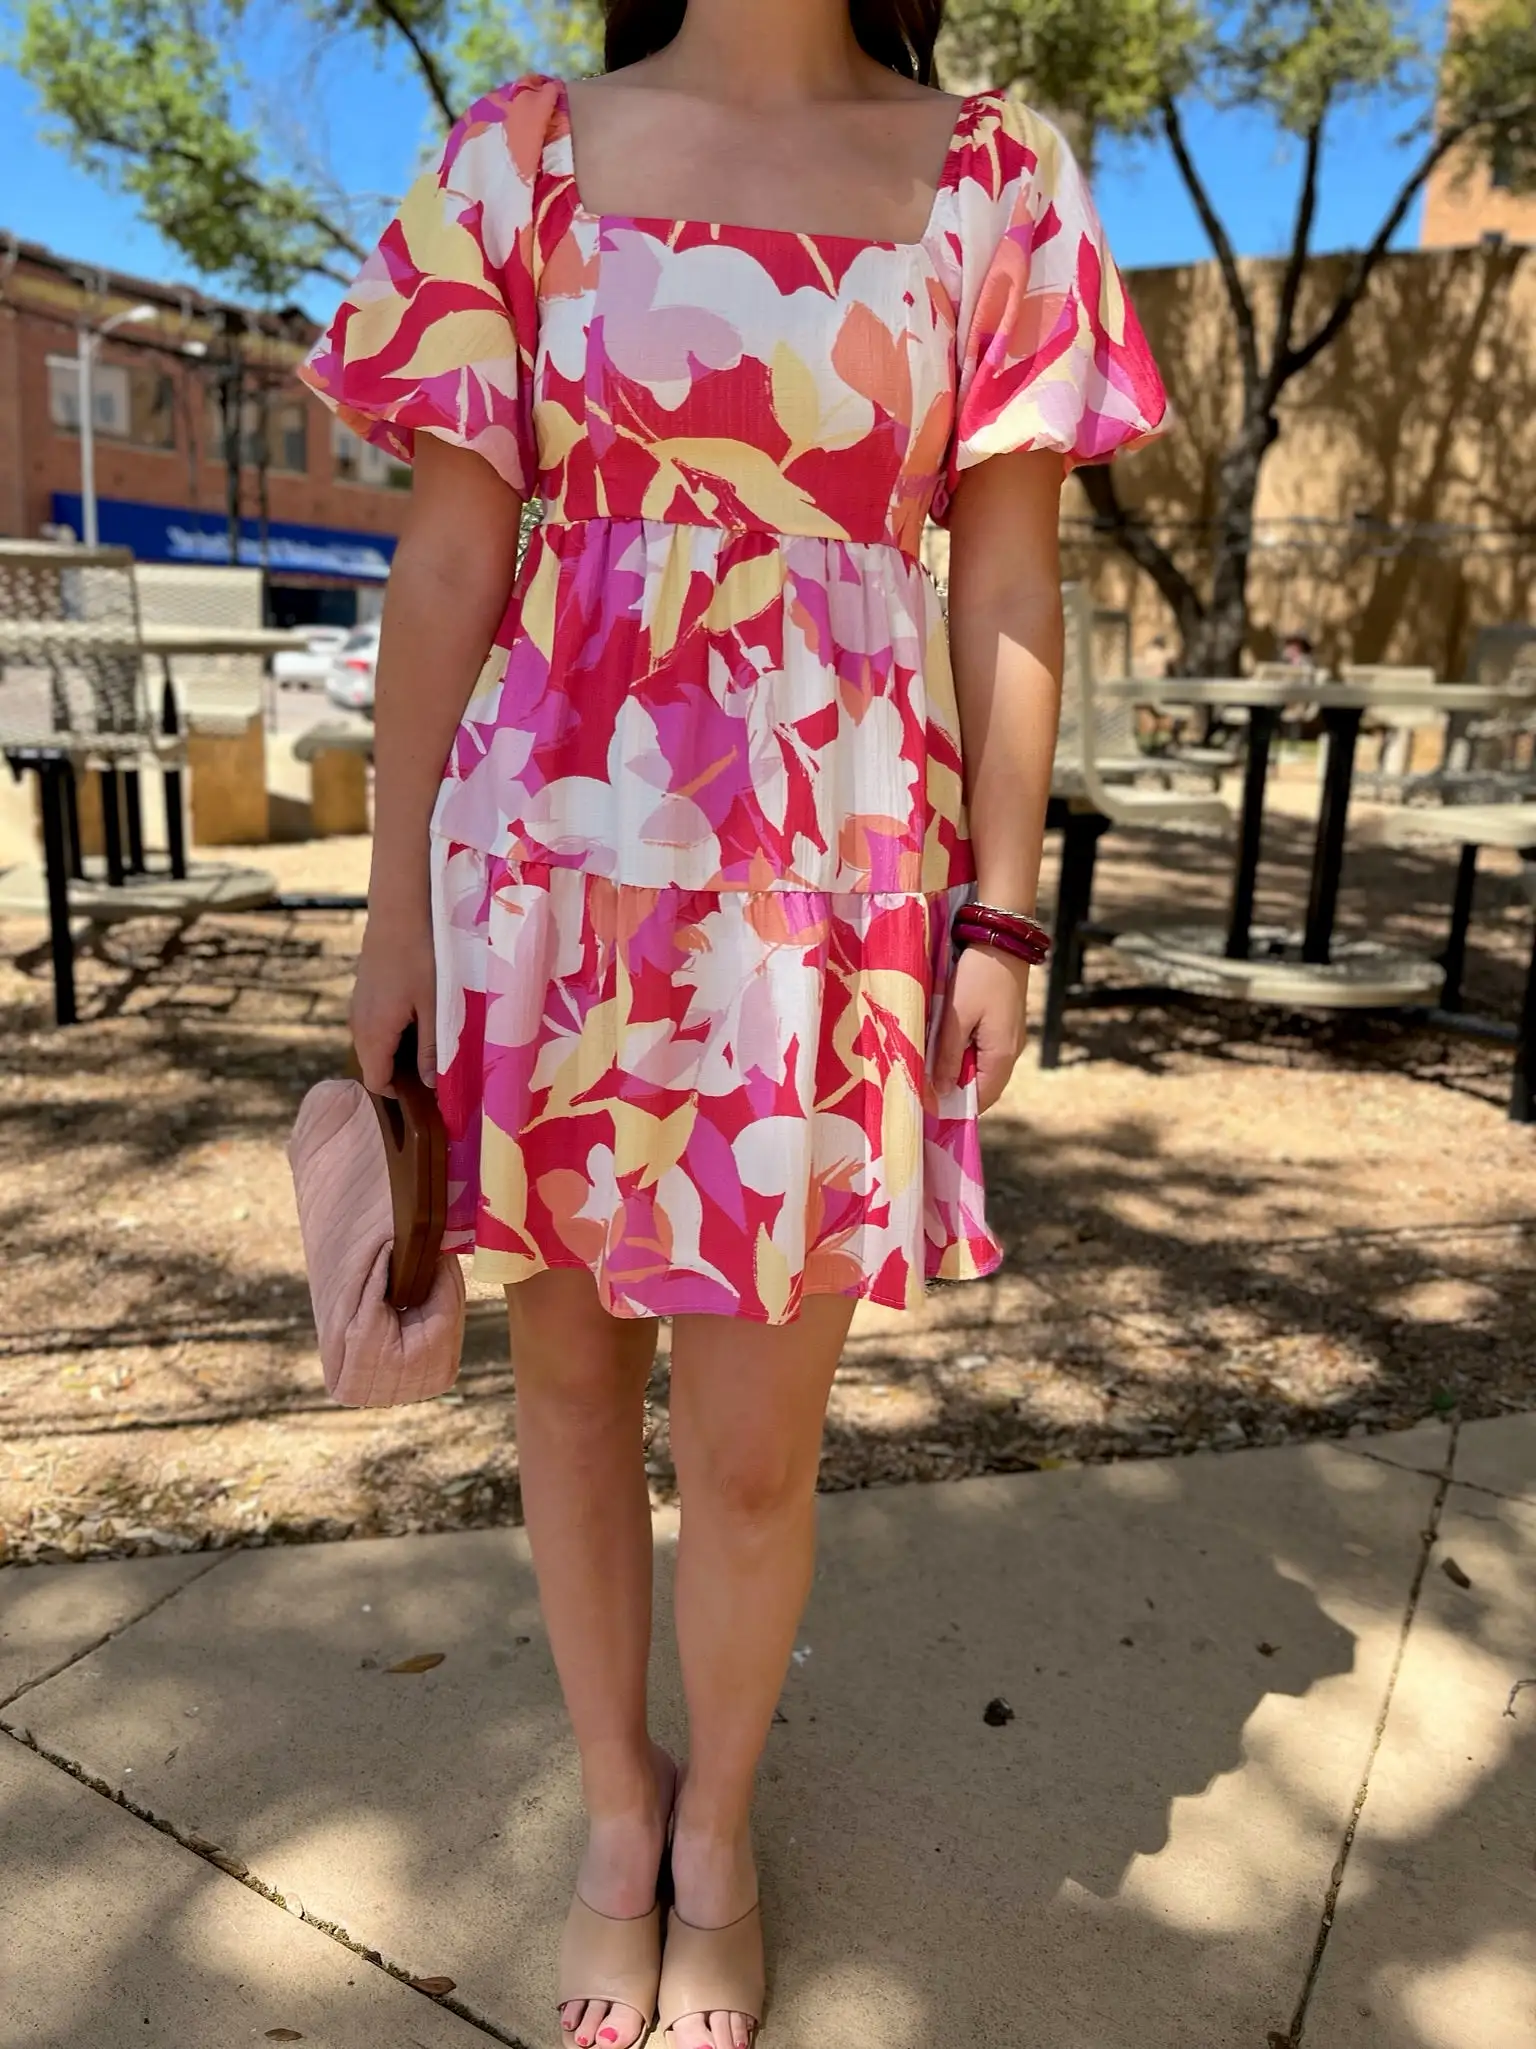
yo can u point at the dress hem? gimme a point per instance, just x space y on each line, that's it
485 1262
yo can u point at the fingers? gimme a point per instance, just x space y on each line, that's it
426 1039
954 1037
376 1038
994 1071
377 1027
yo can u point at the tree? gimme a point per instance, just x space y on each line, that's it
146 92
146 95
1134 67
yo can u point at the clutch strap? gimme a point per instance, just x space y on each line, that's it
416 1153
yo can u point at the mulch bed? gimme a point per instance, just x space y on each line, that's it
1223 1228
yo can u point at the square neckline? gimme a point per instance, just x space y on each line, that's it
957 137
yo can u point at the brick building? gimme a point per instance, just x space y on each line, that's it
1467 200
169 385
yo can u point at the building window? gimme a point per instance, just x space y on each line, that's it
359 462
129 401
1502 169
287 433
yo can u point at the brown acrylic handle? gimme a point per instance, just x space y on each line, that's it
416 1151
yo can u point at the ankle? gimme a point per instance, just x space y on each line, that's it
624 1785
713 1821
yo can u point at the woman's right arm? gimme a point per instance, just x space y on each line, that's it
447 592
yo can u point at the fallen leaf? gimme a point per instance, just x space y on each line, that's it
438 1987
283 2035
230 1864
424 1663
1454 1573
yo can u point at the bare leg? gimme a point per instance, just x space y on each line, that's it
748 1403
581 1376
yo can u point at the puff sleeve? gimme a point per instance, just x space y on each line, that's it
1050 352
438 331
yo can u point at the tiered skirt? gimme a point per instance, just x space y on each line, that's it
716 1102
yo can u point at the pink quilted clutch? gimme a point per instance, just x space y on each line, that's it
370 1178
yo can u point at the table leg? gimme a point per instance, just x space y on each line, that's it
76 860
1343 729
1080 835
1522 1095
1454 958
1263 720
133 821
175 829
112 826
52 776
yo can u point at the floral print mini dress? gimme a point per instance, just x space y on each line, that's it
702 829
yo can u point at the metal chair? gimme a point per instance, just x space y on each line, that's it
74 700
1487 757
1118 755
208 595
1392 726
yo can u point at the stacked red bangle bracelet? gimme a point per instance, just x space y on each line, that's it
1009 931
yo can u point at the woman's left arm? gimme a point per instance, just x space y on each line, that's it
1006 644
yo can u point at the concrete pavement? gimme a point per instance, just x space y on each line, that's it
1259 1786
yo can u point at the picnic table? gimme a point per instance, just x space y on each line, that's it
1318 969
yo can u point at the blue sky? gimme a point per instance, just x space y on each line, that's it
368 121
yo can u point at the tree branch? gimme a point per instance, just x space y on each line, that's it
1221 243
1295 269
1365 264
303 216
1137 541
426 63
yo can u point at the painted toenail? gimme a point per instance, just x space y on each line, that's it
607 2034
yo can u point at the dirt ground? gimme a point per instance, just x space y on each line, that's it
1223 1227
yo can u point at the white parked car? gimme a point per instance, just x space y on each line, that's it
307 668
350 681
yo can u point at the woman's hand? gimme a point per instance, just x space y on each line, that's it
985 1007
396 987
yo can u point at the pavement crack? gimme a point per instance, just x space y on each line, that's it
1292 2038
1438 1472
234 1869
110 1635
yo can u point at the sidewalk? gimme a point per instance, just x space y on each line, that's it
1259 1786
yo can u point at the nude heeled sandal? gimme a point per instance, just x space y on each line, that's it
620 1961
712 1970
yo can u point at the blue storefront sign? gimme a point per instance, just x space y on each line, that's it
171 533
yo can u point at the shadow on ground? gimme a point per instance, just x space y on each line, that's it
1141 1854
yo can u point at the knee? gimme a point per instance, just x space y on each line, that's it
581 1374
754 1485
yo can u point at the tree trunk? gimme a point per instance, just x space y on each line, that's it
1217 642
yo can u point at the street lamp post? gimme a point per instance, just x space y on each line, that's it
86 342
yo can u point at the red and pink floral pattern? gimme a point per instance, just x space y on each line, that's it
703 824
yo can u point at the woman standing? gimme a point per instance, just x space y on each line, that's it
679 910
